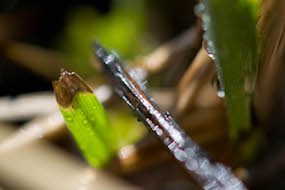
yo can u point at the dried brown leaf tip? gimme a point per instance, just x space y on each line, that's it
68 85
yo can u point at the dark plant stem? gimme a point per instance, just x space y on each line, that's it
209 174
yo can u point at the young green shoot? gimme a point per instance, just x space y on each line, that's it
86 119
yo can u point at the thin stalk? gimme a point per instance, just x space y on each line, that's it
209 174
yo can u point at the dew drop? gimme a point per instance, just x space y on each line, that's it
159 132
85 122
108 59
180 155
220 90
199 9
100 52
172 146
204 163
192 164
115 53
217 84
209 47
190 152
221 93
166 141
205 22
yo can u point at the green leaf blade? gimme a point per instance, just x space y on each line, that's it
86 119
90 128
232 38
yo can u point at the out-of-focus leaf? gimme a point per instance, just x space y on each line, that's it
271 28
231 39
126 127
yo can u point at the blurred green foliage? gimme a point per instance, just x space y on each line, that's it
126 127
123 29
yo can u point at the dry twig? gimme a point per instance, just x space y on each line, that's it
39 60
27 106
169 52
199 72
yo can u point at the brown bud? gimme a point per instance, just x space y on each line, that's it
67 86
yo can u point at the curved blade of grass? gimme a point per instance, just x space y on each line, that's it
231 38
85 118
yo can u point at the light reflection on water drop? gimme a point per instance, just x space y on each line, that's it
180 155
220 89
209 44
209 47
217 84
192 164
127 151
199 9
206 20
221 93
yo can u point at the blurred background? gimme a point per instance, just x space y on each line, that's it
64 30
160 38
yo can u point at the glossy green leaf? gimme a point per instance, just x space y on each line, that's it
88 123
231 39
